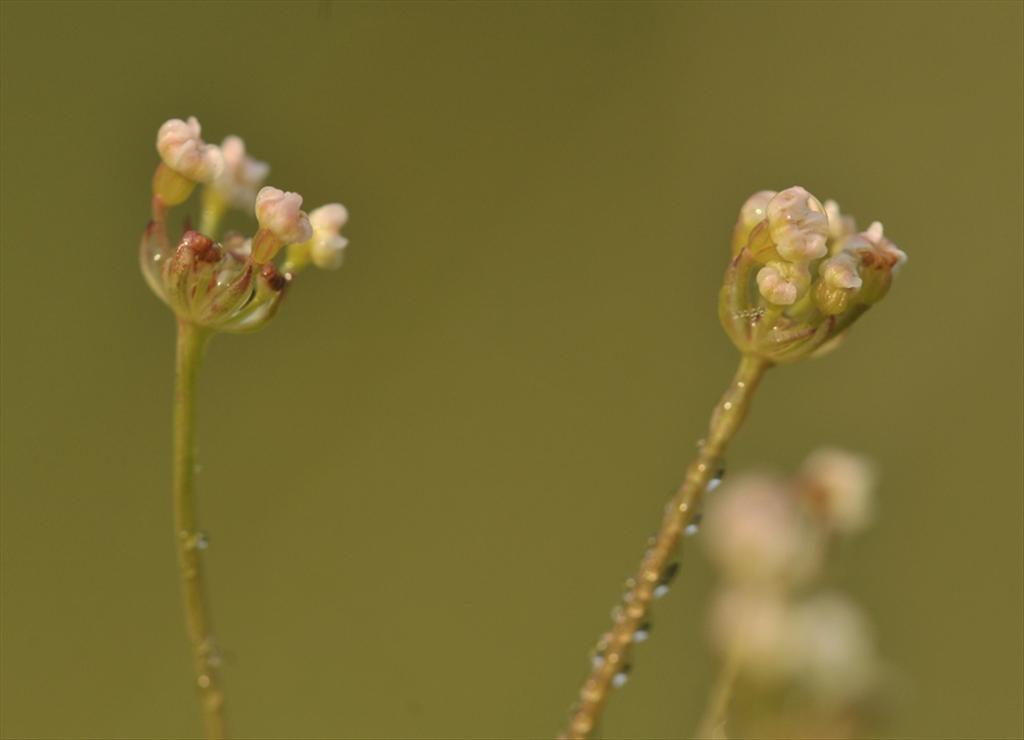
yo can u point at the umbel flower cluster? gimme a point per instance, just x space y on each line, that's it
804 657
800 274
233 285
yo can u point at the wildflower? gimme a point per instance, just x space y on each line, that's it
780 301
233 286
839 485
755 533
879 259
326 248
187 160
282 221
241 177
782 283
798 225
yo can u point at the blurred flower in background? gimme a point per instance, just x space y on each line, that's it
798 661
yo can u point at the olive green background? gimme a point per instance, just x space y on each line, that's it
426 479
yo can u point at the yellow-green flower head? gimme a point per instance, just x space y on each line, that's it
183 150
798 225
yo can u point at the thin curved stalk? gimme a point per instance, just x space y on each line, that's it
612 654
712 726
190 541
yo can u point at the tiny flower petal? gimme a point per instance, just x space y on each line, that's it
798 225
840 271
281 213
782 283
183 150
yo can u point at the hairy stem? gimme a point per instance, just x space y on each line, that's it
190 541
613 651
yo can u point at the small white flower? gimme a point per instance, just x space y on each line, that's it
798 225
840 271
327 249
755 209
242 175
183 150
754 624
840 485
832 648
755 532
281 214
782 283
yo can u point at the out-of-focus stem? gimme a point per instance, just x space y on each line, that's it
712 726
189 540
615 648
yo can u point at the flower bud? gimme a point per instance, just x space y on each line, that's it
753 212
839 485
839 281
798 225
755 532
328 245
879 259
281 214
782 283
183 150
241 176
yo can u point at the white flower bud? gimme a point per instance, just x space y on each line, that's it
840 271
754 625
755 209
281 214
832 648
755 532
798 225
242 175
782 283
183 150
327 249
840 485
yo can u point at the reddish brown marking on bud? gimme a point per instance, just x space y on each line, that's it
274 278
201 246
877 259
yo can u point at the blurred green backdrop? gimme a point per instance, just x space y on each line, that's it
476 422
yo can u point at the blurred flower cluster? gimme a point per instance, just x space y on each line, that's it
232 285
802 657
800 274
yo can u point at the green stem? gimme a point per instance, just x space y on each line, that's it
191 344
615 646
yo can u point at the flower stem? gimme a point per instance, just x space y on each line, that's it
712 726
613 651
191 344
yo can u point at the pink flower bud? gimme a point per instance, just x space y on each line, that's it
281 214
782 283
328 246
182 149
798 225
242 175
